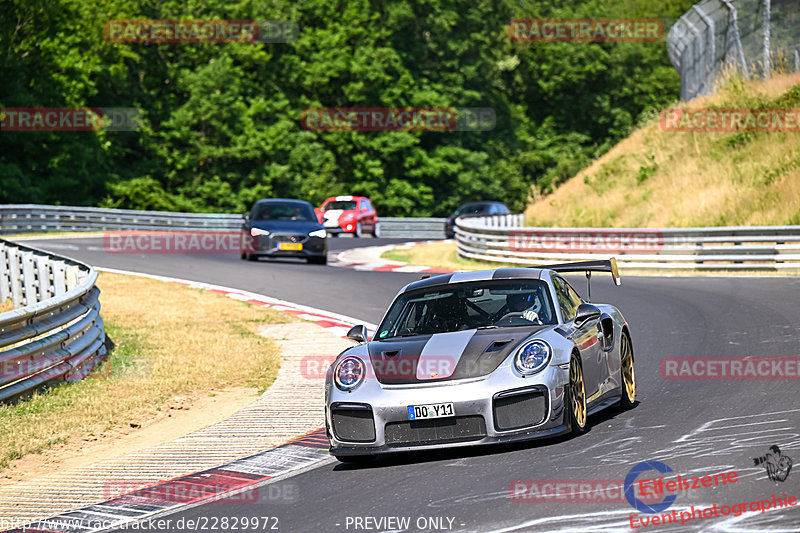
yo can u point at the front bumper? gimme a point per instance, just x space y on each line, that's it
270 246
476 402
336 230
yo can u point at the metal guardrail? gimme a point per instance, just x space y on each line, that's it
772 248
753 37
413 228
55 331
33 218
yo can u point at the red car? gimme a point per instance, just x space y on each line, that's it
348 214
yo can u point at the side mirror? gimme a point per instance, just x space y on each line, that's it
586 312
359 333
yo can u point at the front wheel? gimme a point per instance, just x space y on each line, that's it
318 260
376 230
628 395
577 397
357 233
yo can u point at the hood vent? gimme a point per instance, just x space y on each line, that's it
496 345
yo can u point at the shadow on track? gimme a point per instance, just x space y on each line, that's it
467 451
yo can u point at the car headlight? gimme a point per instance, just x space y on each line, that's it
532 357
255 232
348 373
318 233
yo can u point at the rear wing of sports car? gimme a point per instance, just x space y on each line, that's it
606 265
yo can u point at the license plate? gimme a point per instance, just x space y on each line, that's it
433 410
296 246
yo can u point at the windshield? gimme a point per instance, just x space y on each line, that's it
340 204
473 209
285 212
443 308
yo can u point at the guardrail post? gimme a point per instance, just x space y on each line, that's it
29 278
59 277
72 276
43 275
5 283
14 276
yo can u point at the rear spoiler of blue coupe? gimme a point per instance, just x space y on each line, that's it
607 265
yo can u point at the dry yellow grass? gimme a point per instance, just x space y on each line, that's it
674 179
8 305
436 254
174 343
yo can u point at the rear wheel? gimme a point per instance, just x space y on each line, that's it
577 397
628 395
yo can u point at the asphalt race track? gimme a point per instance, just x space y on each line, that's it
695 427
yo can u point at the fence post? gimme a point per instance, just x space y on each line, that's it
711 55
767 62
734 16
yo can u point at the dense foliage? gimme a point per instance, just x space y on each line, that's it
221 121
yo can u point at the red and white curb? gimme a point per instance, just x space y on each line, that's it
355 258
234 482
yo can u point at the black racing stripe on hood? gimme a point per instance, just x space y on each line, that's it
482 355
395 361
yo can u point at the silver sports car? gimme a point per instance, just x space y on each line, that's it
478 358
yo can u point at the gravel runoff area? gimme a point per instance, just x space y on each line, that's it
292 406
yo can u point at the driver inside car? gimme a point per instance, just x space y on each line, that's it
524 304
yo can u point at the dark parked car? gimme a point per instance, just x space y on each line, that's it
473 209
284 228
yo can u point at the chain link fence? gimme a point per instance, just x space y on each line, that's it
718 37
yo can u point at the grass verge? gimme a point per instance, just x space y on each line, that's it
657 178
436 254
171 341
